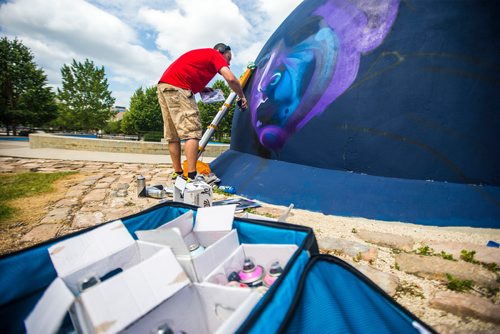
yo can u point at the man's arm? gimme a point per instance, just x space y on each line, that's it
234 84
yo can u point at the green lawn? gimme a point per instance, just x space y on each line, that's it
14 186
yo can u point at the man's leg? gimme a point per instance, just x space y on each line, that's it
165 93
191 152
175 154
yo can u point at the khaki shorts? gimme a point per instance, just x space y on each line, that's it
181 117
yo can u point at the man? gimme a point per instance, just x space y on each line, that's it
186 76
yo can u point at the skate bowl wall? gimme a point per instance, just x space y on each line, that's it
392 105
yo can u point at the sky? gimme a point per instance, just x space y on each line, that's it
136 40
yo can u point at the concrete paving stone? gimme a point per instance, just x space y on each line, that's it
101 185
386 239
7 169
434 267
119 193
108 179
120 186
48 170
118 213
76 191
91 180
41 233
350 248
96 195
67 202
483 253
388 282
57 215
87 219
466 305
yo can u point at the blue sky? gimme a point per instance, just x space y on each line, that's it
136 40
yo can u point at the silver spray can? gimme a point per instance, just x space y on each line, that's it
141 186
155 192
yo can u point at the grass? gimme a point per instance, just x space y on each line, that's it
426 251
456 284
22 185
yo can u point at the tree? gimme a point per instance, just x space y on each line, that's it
25 97
144 114
209 110
85 99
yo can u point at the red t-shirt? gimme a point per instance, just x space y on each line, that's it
194 69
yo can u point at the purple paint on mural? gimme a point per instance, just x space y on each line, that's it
311 60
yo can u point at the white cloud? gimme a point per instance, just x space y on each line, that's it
136 40
195 24
58 31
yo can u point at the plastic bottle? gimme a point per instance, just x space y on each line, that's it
228 189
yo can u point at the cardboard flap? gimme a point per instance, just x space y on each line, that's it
207 261
168 237
215 218
51 309
80 251
184 223
226 307
180 184
119 301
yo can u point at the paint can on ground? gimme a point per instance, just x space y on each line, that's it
141 186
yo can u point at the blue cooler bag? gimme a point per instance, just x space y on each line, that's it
319 293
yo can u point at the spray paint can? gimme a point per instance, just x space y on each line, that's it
141 186
228 189
155 192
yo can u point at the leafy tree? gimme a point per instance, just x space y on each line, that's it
85 97
144 114
25 97
209 110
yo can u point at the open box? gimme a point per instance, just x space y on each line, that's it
145 275
261 254
200 308
212 230
197 193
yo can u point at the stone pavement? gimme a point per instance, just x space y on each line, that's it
107 191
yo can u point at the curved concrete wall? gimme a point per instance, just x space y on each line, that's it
383 109
404 89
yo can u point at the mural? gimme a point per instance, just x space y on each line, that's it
306 65
376 108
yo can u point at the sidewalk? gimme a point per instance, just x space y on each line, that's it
21 149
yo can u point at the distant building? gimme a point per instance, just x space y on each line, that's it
119 112
118 109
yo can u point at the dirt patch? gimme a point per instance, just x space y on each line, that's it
29 211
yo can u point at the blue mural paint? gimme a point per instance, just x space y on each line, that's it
303 68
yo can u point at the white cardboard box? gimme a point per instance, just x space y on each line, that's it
212 230
196 193
150 275
200 308
261 254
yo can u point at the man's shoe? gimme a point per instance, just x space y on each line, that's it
175 175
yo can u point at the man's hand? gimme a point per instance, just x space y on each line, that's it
242 103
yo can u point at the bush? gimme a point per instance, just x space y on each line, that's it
156 136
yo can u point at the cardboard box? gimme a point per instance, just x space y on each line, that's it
196 193
179 186
149 275
200 308
261 254
212 230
